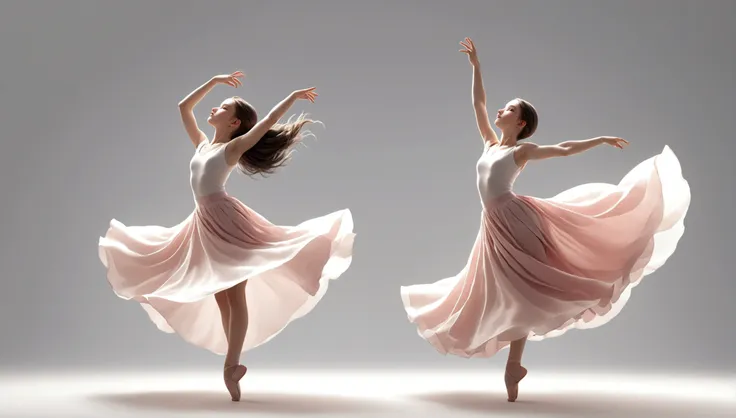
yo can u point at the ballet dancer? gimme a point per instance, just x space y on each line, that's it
539 267
191 278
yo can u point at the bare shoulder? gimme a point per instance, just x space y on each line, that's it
526 146
232 153
521 153
523 149
201 141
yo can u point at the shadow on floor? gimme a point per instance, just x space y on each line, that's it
214 401
575 405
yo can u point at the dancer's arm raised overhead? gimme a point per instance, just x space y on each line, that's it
239 145
186 106
530 151
479 95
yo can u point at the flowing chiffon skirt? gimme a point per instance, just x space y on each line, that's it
539 267
174 272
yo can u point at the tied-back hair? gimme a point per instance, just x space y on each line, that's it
528 115
274 149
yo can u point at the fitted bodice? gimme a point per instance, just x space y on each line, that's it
208 169
497 172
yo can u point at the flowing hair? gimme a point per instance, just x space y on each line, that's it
274 149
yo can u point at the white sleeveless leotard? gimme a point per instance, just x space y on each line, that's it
209 170
497 172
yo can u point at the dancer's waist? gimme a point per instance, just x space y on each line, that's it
211 198
499 199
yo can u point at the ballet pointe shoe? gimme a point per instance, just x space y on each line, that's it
515 372
232 375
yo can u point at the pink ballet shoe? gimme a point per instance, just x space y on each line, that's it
515 372
232 375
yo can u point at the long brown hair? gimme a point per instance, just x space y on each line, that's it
274 149
528 115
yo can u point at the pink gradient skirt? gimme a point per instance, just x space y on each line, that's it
542 266
174 272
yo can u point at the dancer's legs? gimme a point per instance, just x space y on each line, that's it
237 326
224 305
238 323
516 351
514 370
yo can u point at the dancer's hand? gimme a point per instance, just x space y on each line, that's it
307 94
230 79
614 141
469 50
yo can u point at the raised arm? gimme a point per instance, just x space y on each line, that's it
529 151
239 145
479 95
186 106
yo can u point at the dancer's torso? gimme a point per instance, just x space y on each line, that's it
497 172
208 169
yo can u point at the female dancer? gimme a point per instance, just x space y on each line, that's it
191 278
541 266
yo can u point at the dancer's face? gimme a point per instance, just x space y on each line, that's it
223 116
509 116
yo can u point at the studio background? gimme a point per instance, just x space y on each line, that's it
91 131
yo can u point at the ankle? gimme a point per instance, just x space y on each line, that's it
514 365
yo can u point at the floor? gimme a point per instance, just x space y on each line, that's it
269 393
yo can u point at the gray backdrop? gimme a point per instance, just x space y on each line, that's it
91 132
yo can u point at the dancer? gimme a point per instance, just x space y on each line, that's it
539 267
192 278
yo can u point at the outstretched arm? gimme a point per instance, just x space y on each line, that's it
186 106
239 145
530 151
479 95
